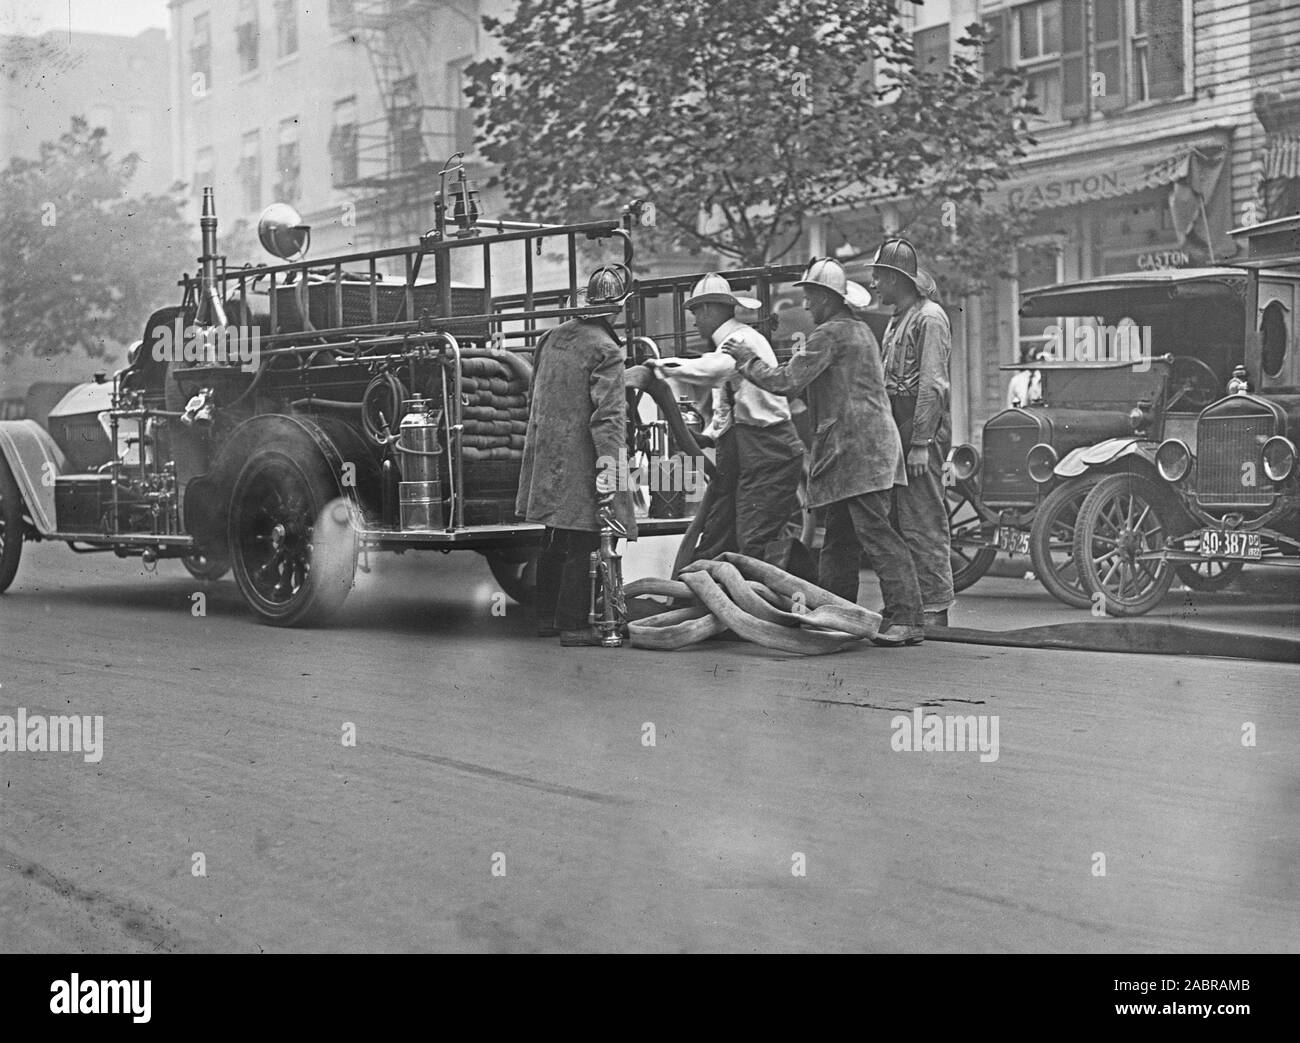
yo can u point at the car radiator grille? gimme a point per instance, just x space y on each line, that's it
1228 456
1004 463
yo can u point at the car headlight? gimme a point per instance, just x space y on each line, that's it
964 460
1039 461
1173 460
1279 458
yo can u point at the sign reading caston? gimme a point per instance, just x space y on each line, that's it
1067 191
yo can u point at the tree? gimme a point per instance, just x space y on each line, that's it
84 263
740 121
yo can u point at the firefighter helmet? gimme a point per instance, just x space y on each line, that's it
609 284
714 289
827 274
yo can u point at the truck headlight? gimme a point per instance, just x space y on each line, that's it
1279 458
965 461
1039 461
1173 460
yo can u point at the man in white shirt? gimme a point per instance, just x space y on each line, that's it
759 453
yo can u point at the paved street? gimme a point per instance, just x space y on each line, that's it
481 747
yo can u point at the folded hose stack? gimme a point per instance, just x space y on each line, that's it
755 601
494 392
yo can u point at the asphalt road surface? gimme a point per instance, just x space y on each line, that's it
503 793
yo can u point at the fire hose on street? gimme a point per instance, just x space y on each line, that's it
755 601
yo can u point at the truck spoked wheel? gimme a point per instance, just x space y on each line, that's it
292 546
1051 541
1209 575
968 535
516 571
1117 533
11 527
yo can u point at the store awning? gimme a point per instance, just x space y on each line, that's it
1110 178
1282 157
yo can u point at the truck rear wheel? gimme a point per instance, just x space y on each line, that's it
11 526
292 545
1051 541
1116 537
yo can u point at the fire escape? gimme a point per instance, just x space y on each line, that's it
398 155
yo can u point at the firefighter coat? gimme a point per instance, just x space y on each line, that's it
577 418
856 448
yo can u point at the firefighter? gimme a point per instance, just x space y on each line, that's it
857 458
755 490
918 343
574 454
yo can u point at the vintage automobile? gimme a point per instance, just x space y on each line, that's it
283 420
1135 357
1224 488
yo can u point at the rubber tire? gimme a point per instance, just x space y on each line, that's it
1141 491
208 568
1069 494
1194 580
516 573
11 526
966 571
308 499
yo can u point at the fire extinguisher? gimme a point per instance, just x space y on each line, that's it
420 491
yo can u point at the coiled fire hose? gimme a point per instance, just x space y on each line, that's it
754 600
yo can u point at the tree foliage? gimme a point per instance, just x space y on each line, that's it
739 121
84 262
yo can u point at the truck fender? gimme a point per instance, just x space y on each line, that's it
35 460
1086 457
207 499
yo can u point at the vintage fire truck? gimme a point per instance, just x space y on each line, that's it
285 420
1136 357
1223 488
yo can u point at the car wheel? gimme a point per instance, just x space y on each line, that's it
516 572
292 544
1209 575
969 552
1117 532
1051 541
11 527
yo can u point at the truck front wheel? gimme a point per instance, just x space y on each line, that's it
292 545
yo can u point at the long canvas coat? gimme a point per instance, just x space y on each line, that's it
856 448
577 416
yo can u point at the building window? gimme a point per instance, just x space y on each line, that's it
931 46
1098 55
286 28
343 142
287 160
250 171
404 119
201 55
246 36
340 15
1157 58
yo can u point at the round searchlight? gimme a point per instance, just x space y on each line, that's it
1173 460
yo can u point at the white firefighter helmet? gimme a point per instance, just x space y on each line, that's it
714 289
827 273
